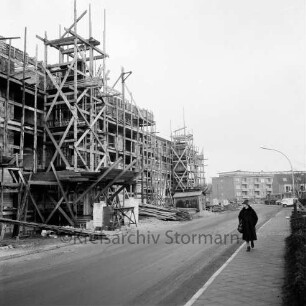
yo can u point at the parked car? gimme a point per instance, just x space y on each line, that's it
217 208
288 202
270 202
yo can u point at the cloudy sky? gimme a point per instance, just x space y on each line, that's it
236 68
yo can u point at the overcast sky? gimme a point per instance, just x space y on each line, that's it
236 67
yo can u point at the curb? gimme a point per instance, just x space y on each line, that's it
41 250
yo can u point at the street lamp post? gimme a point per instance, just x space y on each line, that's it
292 173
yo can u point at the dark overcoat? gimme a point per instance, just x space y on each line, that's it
249 219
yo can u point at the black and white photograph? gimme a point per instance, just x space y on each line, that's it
153 152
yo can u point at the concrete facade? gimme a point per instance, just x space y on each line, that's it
240 185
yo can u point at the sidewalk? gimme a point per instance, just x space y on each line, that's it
254 278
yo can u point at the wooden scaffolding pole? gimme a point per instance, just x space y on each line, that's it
64 193
35 115
21 149
124 123
91 106
45 104
2 203
75 91
105 118
117 178
7 99
97 181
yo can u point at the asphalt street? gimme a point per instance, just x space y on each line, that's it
159 267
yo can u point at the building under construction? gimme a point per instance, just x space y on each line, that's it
68 139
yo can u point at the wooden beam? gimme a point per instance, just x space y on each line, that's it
6 116
117 192
47 42
82 95
118 176
90 127
57 147
45 102
61 142
36 206
21 200
63 192
61 211
100 163
35 159
84 61
59 88
86 42
23 97
92 131
77 20
57 205
97 181
81 157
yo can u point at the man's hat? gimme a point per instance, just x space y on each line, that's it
245 202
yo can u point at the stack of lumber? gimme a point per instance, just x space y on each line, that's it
67 230
163 213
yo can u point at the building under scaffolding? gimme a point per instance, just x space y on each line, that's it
69 140
188 163
188 171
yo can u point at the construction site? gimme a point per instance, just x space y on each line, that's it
75 149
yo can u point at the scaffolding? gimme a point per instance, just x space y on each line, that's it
187 163
160 172
76 140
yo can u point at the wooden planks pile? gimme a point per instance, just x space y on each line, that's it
163 213
67 230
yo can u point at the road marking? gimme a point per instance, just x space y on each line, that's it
213 277
264 224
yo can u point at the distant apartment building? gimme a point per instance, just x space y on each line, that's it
241 185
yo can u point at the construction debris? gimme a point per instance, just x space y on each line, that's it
67 230
163 213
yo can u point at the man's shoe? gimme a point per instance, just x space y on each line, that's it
248 249
252 244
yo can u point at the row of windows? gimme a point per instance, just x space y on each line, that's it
250 193
251 186
253 180
301 187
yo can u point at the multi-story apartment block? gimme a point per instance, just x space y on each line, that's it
239 185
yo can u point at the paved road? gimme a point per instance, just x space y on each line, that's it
164 267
